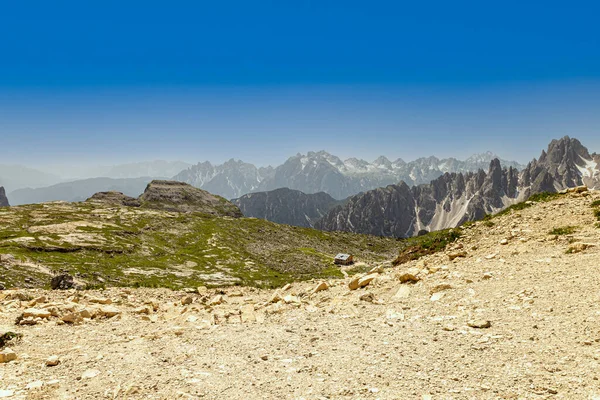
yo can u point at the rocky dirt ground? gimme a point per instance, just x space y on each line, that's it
514 315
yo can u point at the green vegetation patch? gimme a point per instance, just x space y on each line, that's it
126 246
596 203
417 247
565 230
536 198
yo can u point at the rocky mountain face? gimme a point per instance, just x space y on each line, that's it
567 163
323 172
453 198
3 198
182 197
230 180
286 206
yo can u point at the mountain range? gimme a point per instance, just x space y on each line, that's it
316 172
453 198
78 190
404 209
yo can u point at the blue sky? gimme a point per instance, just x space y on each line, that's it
104 82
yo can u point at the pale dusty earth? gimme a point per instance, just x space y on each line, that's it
401 341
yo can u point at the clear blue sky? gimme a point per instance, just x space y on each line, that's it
102 82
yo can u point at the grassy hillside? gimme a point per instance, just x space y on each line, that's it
126 246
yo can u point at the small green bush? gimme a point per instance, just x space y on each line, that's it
596 203
565 230
417 247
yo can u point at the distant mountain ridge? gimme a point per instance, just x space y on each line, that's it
323 172
453 198
13 177
79 190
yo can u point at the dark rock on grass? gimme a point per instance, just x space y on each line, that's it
62 282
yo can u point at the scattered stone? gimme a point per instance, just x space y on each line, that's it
368 297
287 287
52 361
410 275
457 254
7 355
109 311
34 385
479 323
289 299
38 300
353 285
436 296
187 300
320 287
276 297
402 293
100 300
72 318
36 313
376 270
504 241
487 275
6 393
62 282
53 383
90 373
202 290
248 314
439 288
142 310
366 280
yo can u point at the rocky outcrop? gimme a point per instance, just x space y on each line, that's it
286 206
115 198
182 197
453 198
3 198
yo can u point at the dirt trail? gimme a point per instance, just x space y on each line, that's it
517 318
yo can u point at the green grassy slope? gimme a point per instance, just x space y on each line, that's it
127 246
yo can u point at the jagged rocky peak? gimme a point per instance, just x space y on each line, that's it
114 198
382 161
3 198
182 197
566 163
